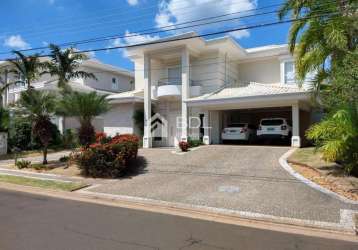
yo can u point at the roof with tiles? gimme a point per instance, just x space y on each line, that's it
251 90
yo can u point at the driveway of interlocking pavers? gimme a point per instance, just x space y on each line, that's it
243 178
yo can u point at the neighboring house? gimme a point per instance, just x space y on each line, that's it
110 80
199 86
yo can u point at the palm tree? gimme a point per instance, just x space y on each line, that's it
39 106
85 107
64 64
26 68
324 32
337 137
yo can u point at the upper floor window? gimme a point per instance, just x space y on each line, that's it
174 75
289 72
114 83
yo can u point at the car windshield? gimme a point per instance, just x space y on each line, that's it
269 122
237 125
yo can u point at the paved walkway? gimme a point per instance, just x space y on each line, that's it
243 178
38 159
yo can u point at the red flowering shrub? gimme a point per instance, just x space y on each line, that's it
184 146
100 137
125 137
107 159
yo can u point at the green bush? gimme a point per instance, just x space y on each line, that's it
107 159
337 137
194 142
20 164
21 136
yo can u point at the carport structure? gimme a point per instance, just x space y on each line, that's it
250 103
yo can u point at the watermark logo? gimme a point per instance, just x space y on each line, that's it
158 126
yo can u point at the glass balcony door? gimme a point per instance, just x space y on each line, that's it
174 75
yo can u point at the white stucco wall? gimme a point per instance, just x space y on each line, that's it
205 70
104 80
262 71
119 120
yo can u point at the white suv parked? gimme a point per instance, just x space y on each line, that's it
274 127
239 131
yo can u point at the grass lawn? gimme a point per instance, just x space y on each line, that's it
330 175
49 184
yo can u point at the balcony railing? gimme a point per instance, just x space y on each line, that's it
175 81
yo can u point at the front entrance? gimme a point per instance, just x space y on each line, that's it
173 130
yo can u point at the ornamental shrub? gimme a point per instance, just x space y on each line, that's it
107 159
20 164
184 146
194 142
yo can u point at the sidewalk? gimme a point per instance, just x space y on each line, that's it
38 159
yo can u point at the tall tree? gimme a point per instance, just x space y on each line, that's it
26 68
65 65
324 40
85 107
40 105
323 34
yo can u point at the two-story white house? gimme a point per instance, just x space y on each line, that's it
110 80
199 86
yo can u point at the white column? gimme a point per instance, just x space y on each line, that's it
206 138
296 140
147 138
61 124
185 93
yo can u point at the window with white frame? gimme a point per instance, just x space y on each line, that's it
114 83
289 72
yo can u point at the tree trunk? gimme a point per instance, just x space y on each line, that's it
45 155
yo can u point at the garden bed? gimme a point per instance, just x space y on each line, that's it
329 175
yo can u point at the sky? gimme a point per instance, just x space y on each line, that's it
29 24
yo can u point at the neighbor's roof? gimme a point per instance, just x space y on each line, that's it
76 87
94 63
128 96
250 90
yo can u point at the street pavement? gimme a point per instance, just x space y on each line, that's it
33 222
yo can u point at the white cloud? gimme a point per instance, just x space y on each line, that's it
16 42
115 43
130 39
173 12
51 2
135 38
240 34
91 54
132 2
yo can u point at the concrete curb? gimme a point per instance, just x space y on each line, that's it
283 162
345 224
